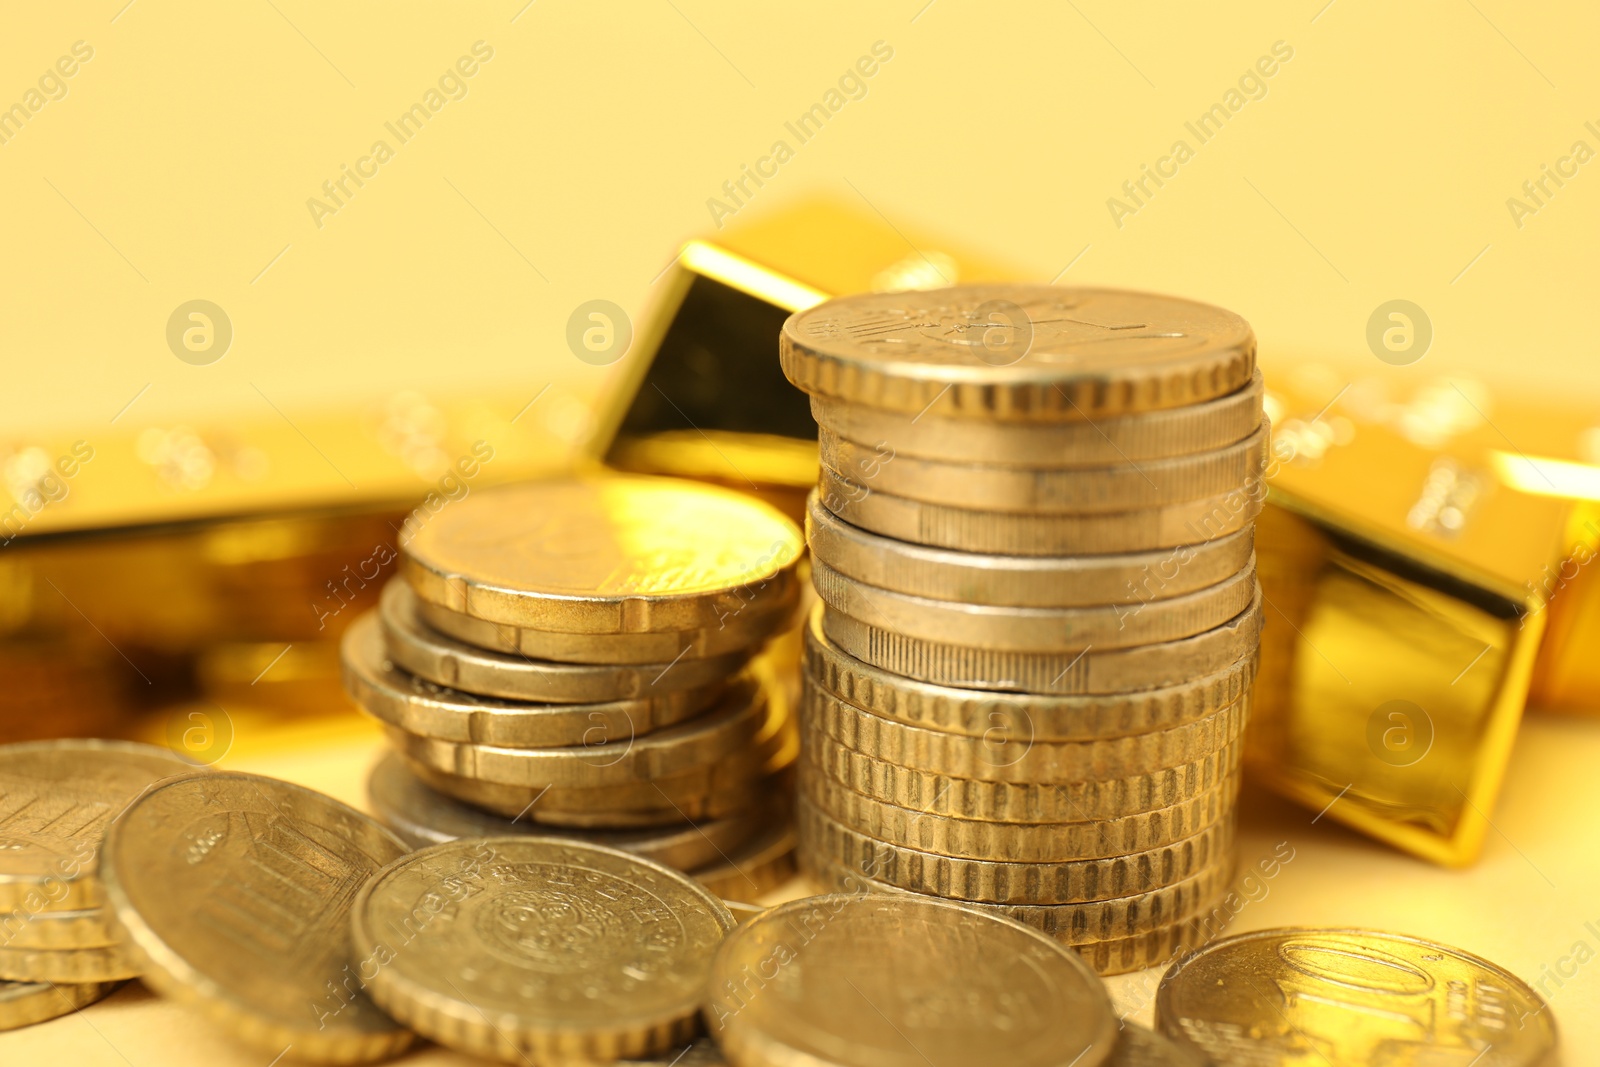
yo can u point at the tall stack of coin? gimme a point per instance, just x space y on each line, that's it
1033 542
584 656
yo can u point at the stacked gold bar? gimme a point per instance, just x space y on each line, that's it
1027 682
585 656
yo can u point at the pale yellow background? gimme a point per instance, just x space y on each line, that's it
1377 166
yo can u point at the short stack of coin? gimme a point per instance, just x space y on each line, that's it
584 656
1028 678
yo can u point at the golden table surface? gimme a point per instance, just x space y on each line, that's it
1527 905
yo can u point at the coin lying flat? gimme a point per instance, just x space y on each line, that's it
880 981
430 654
1300 995
25 1003
235 891
56 799
1002 717
756 867
84 928
106 963
1017 352
422 817
1021 581
421 707
1090 670
1049 489
529 947
1039 534
1038 629
611 554
1080 443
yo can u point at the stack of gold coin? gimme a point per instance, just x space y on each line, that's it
1033 542
586 655
56 800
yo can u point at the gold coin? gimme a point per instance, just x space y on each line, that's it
235 891
613 758
1300 995
1123 487
107 963
1149 435
741 635
84 928
1136 578
421 707
703 1053
1010 754
1018 842
885 981
1138 1047
518 947
615 554
1038 630
25 1003
1035 533
422 817
1017 352
1086 801
1002 716
1091 671
56 799
758 866
443 660
991 881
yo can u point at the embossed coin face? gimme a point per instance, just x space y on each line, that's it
1302 996
236 890
569 947
880 981
1018 351
56 799
607 555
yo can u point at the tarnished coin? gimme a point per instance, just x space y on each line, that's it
524 947
756 867
1300 995
1018 842
1006 718
1149 435
885 981
428 653
235 891
25 1003
1036 533
1086 801
612 759
1092 670
1049 489
56 799
84 928
107 963
1011 755
422 817
421 707
1135 578
1017 352
1038 629
740 636
609 554
1079 881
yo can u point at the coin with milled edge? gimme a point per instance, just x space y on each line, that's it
1155 483
25 1003
1301 995
531 947
106 963
611 554
756 867
1034 629
84 928
1092 670
1021 581
1000 717
1017 352
1149 435
1035 533
418 648
235 890
882 981
56 799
